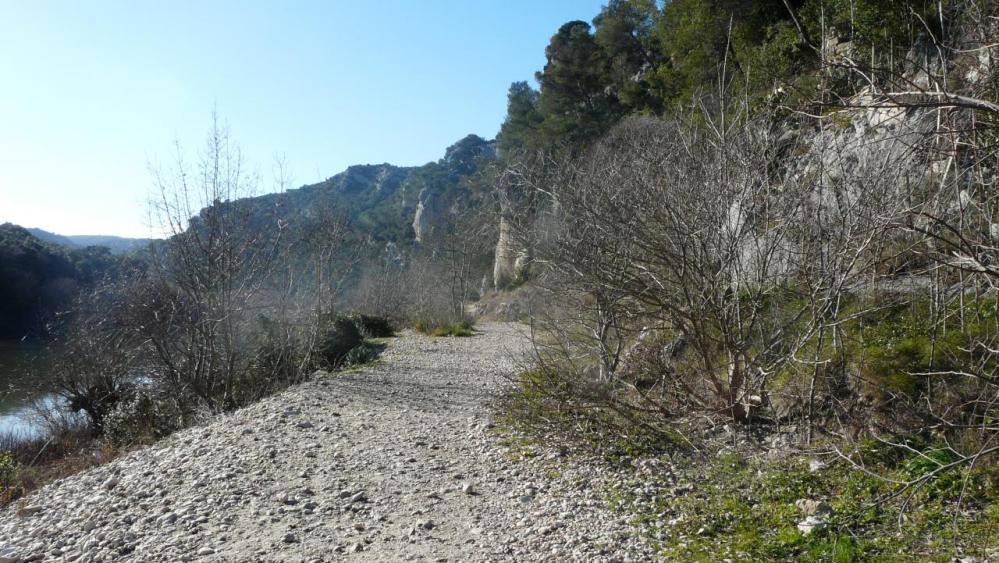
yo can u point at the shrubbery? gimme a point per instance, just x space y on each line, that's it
141 419
374 327
337 340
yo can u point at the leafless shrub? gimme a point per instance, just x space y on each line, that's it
381 290
96 363
942 101
208 273
731 268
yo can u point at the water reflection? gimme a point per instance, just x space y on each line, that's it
20 396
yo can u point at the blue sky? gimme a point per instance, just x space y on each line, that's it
91 92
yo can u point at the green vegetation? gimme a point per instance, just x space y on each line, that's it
374 327
646 57
666 325
663 332
338 340
745 505
444 328
377 203
38 279
8 477
745 509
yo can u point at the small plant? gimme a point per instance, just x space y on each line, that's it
358 355
461 329
444 328
141 419
928 462
8 477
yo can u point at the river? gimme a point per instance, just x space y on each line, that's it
18 389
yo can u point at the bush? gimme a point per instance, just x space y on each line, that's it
358 355
338 340
462 329
374 326
141 419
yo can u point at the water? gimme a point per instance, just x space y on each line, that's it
19 390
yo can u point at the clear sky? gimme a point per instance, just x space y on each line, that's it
92 92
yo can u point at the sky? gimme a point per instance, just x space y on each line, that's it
93 93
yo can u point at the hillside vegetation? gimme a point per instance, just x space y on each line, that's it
774 221
39 279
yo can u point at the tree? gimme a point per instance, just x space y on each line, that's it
94 362
202 288
520 127
576 101
625 32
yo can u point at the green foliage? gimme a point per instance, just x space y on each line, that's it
141 419
37 279
372 326
888 27
363 353
338 340
8 476
744 509
549 400
461 329
520 128
576 100
644 56
898 347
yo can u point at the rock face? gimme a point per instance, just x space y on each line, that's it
511 259
428 211
392 463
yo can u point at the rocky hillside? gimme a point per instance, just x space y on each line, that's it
384 203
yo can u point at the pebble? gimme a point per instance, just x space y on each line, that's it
251 485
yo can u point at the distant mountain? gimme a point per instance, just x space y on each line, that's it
117 245
385 203
51 238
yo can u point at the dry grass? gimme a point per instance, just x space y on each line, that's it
27 464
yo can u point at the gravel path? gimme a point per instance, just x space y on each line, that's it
395 462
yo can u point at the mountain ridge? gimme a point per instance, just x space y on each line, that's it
116 244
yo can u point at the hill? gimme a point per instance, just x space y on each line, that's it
384 203
38 277
117 245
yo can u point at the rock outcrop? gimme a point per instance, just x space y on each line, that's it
512 257
428 211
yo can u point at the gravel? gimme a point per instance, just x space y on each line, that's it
392 462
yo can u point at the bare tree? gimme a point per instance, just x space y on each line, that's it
734 265
97 361
209 271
